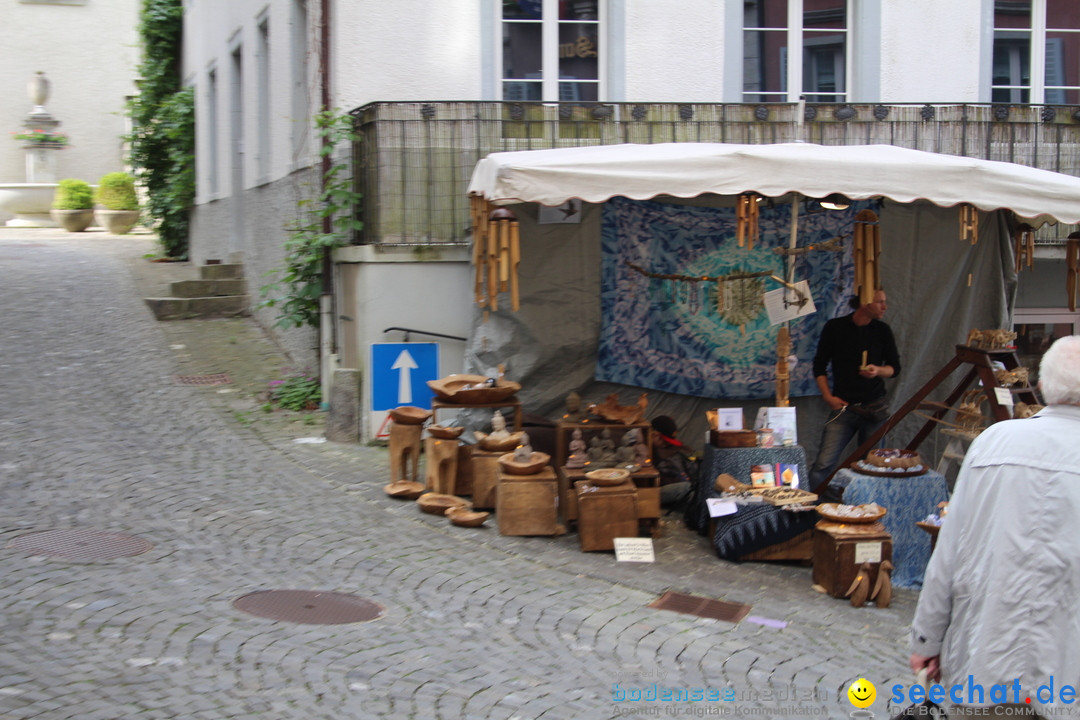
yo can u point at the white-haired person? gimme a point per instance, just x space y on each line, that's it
997 623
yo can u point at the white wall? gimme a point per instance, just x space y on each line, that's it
89 52
675 51
407 50
932 51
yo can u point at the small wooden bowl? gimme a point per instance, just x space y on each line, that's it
537 462
490 444
443 432
471 389
409 415
404 489
464 517
438 504
829 512
607 476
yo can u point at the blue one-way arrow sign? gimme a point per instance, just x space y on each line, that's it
400 372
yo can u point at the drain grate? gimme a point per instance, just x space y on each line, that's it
701 606
309 606
81 544
218 379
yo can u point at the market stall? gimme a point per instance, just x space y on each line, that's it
613 244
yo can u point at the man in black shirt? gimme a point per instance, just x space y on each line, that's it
862 352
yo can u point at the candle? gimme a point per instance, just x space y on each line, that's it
864 358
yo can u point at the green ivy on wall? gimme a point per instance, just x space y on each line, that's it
163 125
324 223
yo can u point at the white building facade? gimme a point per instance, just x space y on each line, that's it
89 52
262 68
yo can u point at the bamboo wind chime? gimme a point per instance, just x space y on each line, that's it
866 250
496 254
1024 246
746 220
969 223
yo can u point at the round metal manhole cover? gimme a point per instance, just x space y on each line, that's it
309 606
81 544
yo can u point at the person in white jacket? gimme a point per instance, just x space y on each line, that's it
997 620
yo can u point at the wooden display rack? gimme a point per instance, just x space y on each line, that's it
981 367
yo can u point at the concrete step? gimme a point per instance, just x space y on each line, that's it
207 288
175 308
221 272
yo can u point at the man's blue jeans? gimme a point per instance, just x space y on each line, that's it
839 429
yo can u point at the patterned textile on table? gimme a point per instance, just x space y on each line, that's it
758 526
908 501
737 462
673 335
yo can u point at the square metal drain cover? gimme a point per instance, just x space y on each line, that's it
206 380
701 606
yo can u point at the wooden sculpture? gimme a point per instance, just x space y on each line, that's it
783 377
882 593
1024 246
969 223
1072 264
746 220
860 586
866 250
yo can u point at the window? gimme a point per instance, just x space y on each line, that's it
551 50
794 48
212 131
1036 55
300 104
262 91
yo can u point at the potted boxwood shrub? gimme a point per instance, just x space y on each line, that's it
118 209
73 205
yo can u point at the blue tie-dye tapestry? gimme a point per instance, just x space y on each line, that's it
670 335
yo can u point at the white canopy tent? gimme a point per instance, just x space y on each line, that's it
686 170
938 285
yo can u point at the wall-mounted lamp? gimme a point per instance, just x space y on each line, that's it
835 201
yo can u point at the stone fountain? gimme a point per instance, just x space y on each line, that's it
31 201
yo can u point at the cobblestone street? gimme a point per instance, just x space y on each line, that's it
96 435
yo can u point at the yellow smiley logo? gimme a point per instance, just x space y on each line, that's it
862 693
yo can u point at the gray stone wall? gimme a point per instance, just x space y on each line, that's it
269 210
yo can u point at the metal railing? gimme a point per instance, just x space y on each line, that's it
415 159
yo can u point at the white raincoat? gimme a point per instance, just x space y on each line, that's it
1001 597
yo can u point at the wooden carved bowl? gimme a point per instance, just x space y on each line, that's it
851 513
537 462
607 476
438 504
443 432
464 517
493 444
471 389
409 415
404 489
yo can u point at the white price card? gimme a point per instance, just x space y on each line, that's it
634 550
867 552
1003 396
718 507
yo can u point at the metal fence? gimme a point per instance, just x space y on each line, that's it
415 159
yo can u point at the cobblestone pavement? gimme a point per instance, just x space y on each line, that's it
95 434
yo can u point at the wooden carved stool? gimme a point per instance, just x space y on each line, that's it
405 447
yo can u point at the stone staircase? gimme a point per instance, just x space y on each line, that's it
219 291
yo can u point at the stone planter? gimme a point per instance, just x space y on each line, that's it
73 220
117 222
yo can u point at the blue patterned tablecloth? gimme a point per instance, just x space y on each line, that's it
908 500
737 463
